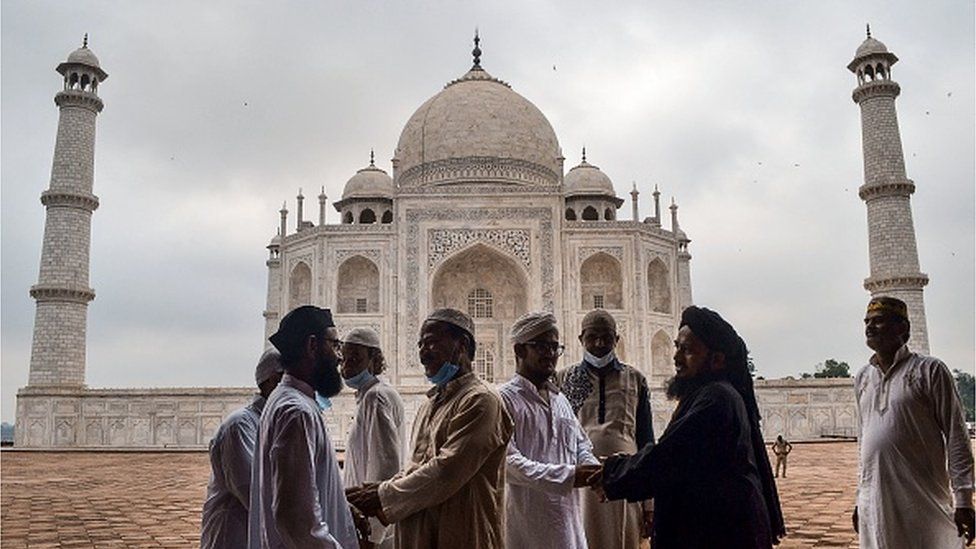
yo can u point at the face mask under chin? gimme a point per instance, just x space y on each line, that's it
598 362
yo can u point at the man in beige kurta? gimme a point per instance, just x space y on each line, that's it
612 402
451 493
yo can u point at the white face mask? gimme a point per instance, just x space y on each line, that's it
598 362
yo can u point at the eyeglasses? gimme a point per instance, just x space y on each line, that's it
542 347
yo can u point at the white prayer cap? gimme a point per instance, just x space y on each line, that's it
367 337
268 365
531 325
455 317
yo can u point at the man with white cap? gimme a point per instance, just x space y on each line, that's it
231 454
373 450
451 492
612 402
549 454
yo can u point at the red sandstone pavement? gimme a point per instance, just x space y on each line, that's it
105 500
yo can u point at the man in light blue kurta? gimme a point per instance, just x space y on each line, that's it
549 454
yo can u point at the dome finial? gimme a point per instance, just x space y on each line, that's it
372 159
84 41
584 153
868 25
476 52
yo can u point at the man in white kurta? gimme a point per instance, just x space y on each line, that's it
373 450
225 510
911 424
549 454
301 501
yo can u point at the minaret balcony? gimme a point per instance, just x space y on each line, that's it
70 199
876 88
914 281
61 293
871 191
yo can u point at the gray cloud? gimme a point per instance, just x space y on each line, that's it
216 113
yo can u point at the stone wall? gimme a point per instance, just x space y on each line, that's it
186 418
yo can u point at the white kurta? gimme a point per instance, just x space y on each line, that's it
542 509
301 502
228 493
910 422
374 449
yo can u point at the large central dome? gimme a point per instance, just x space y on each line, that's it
477 130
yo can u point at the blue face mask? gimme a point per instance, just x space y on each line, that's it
599 362
323 402
359 380
445 374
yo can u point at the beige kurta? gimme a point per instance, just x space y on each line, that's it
451 493
615 524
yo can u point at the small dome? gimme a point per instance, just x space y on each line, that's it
83 56
369 182
587 179
870 46
275 241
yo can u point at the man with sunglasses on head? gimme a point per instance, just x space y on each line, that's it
549 454
612 402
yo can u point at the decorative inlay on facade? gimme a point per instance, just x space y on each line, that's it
584 252
412 268
342 255
444 242
477 168
475 188
305 258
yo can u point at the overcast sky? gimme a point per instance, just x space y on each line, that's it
216 112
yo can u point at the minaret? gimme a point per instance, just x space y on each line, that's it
886 190
633 199
62 292
657 205
322 199
301 216
683 276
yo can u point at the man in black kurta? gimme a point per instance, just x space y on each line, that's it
709 473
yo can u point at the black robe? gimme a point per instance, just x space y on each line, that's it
703 475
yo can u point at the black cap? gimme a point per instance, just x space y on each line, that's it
297 325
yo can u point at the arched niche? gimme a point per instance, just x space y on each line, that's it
387 217
570 214
489 276
358 286
590 214
300 286
601 284
347 218
658 286
661 355
484 364
367 216
608 214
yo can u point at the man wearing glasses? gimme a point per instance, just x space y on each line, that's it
612 402
549 454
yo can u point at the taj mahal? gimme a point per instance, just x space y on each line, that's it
480 210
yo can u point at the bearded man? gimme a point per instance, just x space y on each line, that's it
709 473
301 502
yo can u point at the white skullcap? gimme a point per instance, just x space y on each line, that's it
531 325
268 365
367 337
455 317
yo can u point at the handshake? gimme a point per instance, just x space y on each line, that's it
590 476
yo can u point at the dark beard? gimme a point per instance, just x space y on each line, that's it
326 379
677 388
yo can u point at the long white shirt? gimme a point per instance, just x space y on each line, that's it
231 454
375 444
542 509
301 500
910 423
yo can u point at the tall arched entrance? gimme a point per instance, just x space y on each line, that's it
491 287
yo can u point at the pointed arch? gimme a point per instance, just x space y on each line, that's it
658 286
300 286
661 355
367 216
601 283
358 286
590 214
608 214
387 217
347 218
570 214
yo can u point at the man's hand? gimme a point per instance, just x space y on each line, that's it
366 499
363 527
584 473
854 520
647 525
965 523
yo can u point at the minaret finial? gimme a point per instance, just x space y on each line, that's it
84 42
869 29
372 159
476 52
584 153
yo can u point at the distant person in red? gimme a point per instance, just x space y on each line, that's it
911 425
709 473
